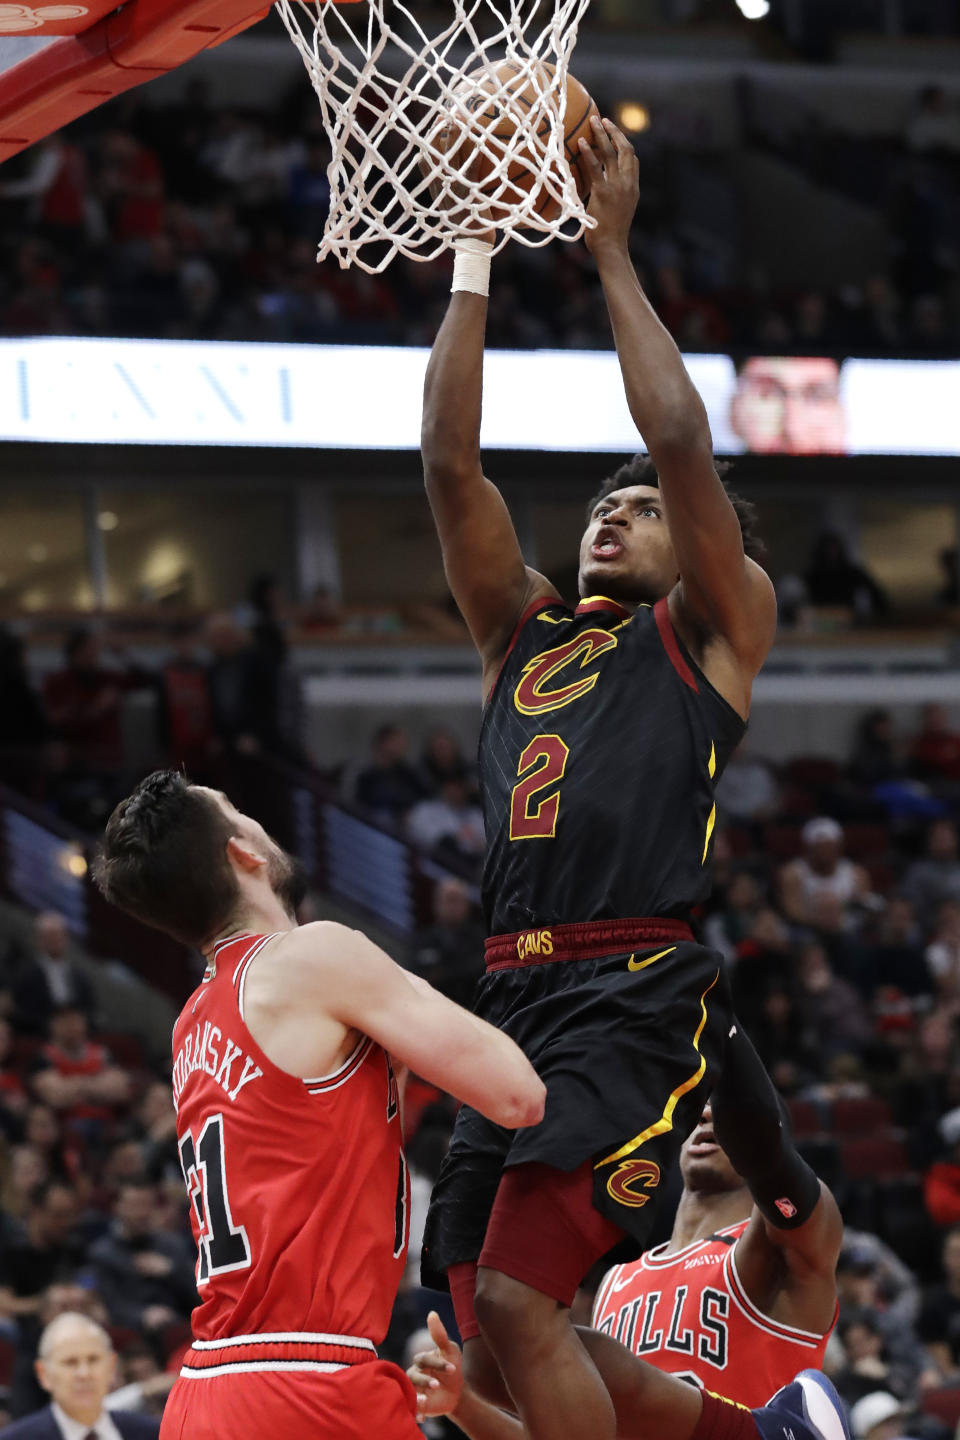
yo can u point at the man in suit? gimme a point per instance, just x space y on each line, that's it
76 1365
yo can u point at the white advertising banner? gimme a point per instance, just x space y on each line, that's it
180 392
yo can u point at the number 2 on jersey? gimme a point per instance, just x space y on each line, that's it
222 1245
541 765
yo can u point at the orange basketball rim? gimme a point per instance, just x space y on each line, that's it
95 50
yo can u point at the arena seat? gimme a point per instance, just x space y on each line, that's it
782 842
881 1158
944 1403
806 1119
8 1359
125 1049
863 1117
866 841
812 771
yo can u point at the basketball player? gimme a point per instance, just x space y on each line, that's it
289 1124
605 731
730 1303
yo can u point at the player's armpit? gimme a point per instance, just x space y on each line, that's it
357 984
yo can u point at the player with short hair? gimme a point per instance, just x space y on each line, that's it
605 731
730 1302
289 1122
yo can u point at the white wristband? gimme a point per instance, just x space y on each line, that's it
471 266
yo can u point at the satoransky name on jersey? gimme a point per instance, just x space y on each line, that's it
229 1067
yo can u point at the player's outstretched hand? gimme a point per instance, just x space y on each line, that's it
437 1374
613 175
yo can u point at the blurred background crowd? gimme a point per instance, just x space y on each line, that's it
836 909
278 624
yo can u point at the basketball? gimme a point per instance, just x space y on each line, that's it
493 114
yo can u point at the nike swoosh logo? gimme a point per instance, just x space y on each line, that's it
633 964
622 1284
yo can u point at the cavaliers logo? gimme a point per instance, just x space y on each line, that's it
630 1178
532 697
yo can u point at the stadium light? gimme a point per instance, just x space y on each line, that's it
754 9
632 116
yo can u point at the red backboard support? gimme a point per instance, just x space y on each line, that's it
124 48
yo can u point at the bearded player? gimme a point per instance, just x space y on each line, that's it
605 732
289 1123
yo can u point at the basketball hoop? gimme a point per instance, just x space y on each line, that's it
444 132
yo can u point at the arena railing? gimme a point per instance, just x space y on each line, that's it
359 862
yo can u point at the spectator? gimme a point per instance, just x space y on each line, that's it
829 1007
145 1275
269 644
22 721
158 1124
878 1416
764 961
821 888
77 1077
941 1191
896 958
870 1275
868 1364
187 703
449 953
26 1392
876 755
41 1130
726 929
934 125
936 878
389 785
43 1251
449 825
833 579
13 1095
942 955
747 790
936 750
442 759
83 703
232 682
939 1322
51 978
76 1365
786 1049
949 559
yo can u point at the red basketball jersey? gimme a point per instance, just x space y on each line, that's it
687 1313
298 1189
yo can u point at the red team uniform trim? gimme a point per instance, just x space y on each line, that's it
686 1312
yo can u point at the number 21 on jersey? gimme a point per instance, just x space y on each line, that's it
222 1245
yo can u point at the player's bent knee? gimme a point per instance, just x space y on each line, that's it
482 1374
510 1312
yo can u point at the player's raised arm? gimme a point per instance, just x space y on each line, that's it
340 973
796 1223
481 553
722 592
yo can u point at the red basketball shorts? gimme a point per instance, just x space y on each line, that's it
355 1403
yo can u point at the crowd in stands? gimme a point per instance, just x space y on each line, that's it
192 221
836 908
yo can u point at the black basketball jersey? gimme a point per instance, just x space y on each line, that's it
600 748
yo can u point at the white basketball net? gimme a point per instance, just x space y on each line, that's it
405 139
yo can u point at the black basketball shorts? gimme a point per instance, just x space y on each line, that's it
629 1045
